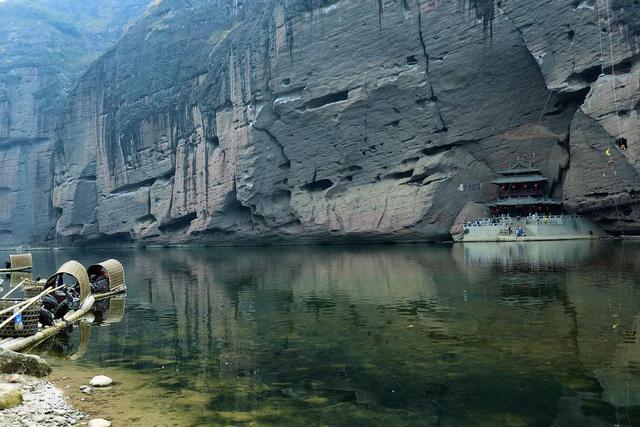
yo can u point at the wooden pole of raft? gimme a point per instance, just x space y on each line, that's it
24 304
22 343
11 290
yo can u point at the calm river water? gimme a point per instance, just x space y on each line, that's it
531 334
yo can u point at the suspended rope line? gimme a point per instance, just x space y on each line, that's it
545 108
610 161
600 35
613 71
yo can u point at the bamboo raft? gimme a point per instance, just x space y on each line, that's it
19 262
78 272
112 269
115 273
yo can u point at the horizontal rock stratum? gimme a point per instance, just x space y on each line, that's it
226 122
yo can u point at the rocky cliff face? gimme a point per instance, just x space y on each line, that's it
45 46
222 121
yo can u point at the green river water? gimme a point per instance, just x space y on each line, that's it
534 334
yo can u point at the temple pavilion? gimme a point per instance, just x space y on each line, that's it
523 191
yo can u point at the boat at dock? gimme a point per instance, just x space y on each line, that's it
524 211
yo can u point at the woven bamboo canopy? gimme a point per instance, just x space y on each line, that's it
114 270
17 278
78 272
20 261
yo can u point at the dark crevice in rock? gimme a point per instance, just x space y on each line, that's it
622 143
147 219
320 185
213 140
421 179
177 224
130 188
332 98
432 98
568 101
287 163
412 60
400 175
429 151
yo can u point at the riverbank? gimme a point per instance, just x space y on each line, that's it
43 404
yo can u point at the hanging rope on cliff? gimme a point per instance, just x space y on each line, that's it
613 70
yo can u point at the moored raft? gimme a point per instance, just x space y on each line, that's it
113 271
18 262
75 270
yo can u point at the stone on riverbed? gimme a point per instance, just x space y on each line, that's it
101 381
12 363
10 396
99 422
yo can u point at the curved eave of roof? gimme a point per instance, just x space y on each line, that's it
520 179
523 201
516 171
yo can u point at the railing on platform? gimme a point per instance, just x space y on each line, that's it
528 220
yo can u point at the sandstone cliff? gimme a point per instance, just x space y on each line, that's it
221 121
45 46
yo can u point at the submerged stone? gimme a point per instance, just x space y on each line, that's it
99 422
10 396
101 381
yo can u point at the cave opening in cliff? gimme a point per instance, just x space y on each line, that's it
400 175
214 140
320 185
412 60
622 144
328 99
568 102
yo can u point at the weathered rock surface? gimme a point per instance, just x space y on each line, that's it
222 122
12 362
44 46
307 121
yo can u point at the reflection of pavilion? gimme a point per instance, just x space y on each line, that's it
518 254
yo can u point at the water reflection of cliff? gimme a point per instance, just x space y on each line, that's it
452 332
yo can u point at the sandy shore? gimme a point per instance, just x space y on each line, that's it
44 405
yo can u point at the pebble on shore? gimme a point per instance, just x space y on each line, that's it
101 381
43 404
99 422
